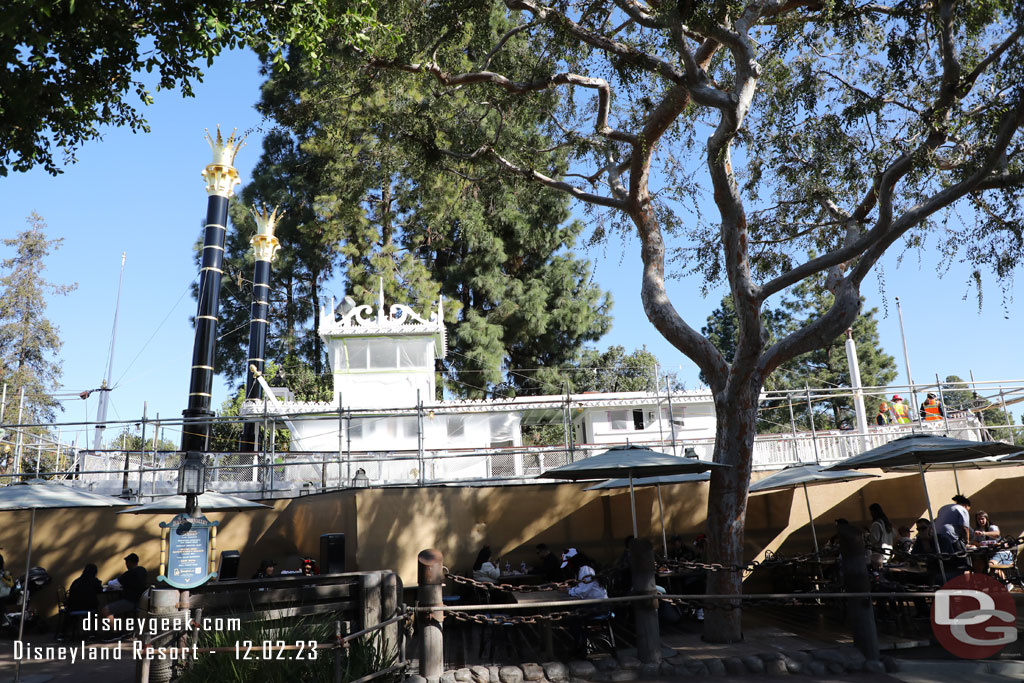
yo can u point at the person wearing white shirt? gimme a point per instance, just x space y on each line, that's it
484 570
589 587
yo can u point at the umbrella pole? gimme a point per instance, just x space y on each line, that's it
956 480
661 511
810 517
632 503
931 518
24 591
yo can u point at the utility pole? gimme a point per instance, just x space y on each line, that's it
101 408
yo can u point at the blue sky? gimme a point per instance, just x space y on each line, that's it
143 195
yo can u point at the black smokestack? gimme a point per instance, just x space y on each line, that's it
264 246
221 178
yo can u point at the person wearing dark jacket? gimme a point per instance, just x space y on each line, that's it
266 571
549 564
134 583
84 593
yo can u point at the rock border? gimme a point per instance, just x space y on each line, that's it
624 666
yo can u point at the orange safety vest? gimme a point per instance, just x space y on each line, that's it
930 409
902 414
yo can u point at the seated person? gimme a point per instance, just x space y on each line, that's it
309 567
986 531
84 593
924 542
903 541
677 550
266 569
83 598
582 568
133 584
549 564
589 588
484 570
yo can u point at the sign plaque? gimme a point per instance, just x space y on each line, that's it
187 541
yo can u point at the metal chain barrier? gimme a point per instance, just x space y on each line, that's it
601 577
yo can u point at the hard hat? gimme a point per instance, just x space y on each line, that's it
897 397
884 406
931 395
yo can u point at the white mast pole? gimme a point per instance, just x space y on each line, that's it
101 410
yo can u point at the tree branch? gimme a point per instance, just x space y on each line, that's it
520 87
630 54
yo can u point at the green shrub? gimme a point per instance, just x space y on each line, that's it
251 660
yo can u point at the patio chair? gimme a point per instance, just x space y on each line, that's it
66 619
598 633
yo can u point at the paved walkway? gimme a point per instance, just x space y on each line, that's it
60 669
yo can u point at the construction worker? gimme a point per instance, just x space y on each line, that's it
900 410
931 409
885 416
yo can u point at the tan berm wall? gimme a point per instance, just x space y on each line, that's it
386 528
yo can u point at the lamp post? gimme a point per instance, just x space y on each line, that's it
264 246
221 178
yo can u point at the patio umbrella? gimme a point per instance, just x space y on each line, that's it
39 494
211 501
802 476
921 450
654 481
629 462
973 464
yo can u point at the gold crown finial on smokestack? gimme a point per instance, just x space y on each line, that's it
221 176
264 244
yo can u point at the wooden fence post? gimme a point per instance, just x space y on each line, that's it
430 577
369 595
162 602
390 596
856 580
648 634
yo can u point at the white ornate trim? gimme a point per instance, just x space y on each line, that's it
398 319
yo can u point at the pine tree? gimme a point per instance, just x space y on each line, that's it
826 367
28 341
363 203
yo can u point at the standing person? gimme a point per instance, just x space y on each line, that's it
549 564
931 409
952 522
900 410
483 569
884 416
880 536
133 584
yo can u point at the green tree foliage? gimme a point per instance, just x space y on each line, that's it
71 67
130 439
824 368
364 204
614 370
611 370
957 396
28 341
